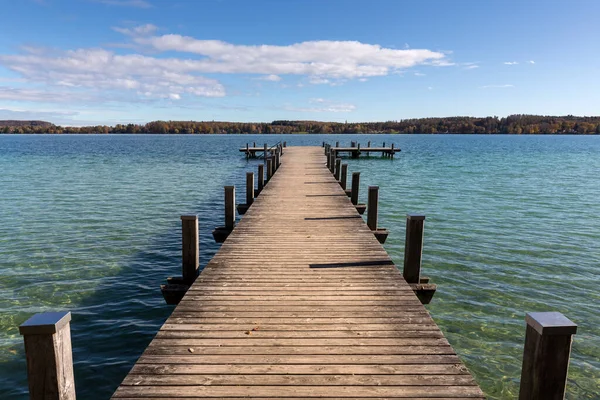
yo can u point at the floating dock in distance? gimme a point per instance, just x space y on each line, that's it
301 301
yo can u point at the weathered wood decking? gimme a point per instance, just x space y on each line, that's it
301 301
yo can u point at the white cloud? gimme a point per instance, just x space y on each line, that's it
429 88
324 59
496 86
531 62
103 70
270 78
126 3
103 73
141 30
419 74
511 62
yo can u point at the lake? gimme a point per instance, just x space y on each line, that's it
90 224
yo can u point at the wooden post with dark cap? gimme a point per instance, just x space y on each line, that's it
261 178
372 207
338 169
546 355
47 338
229 207
413 247
269 169
355 187
189 248
328 159
344 176
413 253
249 188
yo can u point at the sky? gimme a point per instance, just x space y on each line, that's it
88 62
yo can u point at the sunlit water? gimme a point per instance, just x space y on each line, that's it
91 224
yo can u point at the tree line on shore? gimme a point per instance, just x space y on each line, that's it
513 124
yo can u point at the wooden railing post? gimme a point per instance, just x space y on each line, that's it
546 356
269 169
355 187
332 161
328 155
338 168
249 188
266 151
189 248
229 207
261 178
372 207
344 176
47 338
277 162
413 247
273 165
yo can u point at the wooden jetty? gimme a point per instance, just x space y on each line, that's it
301 301
354 150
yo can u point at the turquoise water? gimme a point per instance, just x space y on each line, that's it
91 224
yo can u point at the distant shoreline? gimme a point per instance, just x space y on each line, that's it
513 124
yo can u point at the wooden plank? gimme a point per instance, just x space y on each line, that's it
300 301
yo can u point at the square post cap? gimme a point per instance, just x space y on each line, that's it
45 323
373 187
189 217
551 323
415 217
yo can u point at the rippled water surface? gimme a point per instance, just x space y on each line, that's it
91 224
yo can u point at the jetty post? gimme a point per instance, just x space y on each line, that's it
338 169
277 162
328 156
344 176
413 254
229 207
265 152
372 202
261 178
47 338
354 193
373 199
190 249
269 169
242 208
546 354
222 232
369 146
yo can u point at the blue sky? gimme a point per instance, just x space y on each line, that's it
85 62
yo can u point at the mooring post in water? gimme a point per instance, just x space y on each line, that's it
229 207
254 144
47 338
189 248
332 157
273 165
261 178
265 151
249 188
344 176
269 169
247 151
546 355
242 208
337 144
369 146
372 207
338 168
354 193
413 247
392 152
355 187
373 199
284 144
413 254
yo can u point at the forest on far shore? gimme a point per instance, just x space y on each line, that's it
513 124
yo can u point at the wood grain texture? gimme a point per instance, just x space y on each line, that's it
301 301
